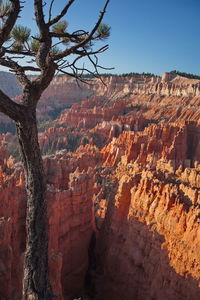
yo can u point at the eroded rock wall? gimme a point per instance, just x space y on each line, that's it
149 241
71 222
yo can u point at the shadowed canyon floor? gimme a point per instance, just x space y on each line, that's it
123 173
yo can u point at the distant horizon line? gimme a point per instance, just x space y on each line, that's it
183 74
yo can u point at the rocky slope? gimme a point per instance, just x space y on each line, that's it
124 203
149 242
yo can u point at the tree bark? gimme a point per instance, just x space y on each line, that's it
36 285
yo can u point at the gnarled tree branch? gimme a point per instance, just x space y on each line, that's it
62 14
10 108
71 50
19 70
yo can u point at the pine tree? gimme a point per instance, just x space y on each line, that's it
45 58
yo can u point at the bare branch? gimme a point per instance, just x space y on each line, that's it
73 37
76 70
25 53
17 57
71 50
96 66
31 68
74 75
99 66
19 70
96 26
62 14
10 108
50 9
85 53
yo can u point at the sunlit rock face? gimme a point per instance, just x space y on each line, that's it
148 246
132 178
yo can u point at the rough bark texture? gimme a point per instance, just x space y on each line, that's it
36 283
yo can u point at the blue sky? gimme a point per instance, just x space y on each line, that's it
147 35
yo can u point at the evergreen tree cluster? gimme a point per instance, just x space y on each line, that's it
184 74
123 74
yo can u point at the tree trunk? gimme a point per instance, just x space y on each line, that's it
36 285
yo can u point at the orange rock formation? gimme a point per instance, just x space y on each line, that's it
134 180
149 245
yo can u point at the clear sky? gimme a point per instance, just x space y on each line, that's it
147 35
